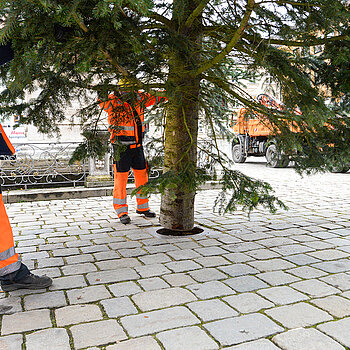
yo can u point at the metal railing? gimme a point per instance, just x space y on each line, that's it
42 165
39 165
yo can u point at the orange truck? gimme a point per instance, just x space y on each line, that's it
253 136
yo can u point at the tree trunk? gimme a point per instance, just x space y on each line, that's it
177 205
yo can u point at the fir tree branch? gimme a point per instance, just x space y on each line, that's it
8 27
313 42
80 22
161 19
229 47
197 11
115 64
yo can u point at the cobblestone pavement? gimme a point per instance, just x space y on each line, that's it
277 281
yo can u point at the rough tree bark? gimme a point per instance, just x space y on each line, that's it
177 213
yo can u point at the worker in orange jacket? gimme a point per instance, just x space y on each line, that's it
13 273
127 127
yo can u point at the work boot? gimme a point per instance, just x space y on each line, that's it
31 281
148 213
125 219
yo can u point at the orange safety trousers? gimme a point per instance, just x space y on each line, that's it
9 259
119 192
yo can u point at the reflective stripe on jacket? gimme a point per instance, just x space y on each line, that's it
9 259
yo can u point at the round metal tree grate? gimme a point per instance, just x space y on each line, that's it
167 232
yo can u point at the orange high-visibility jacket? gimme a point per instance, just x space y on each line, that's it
122 116
9 259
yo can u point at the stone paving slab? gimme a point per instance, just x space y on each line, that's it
144 343
11 342
271 281
53 339
241 329
338 330
193 338
97 333
162 298
306 339
157 321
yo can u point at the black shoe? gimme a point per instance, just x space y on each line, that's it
125 219
29 282
147 213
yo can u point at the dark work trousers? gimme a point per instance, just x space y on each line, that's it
132 158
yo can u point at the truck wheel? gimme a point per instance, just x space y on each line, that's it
274 158
340 169
237 155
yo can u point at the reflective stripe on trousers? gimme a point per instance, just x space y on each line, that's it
119 192
141 178
9 259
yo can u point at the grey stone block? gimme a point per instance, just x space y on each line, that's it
185 254
153 283
53 339
261 344
78 269
97 333
237 257
335 305
241 329
50 262
301 259
79 259
210 251
212 261
144 343
52 272
117 264
307 272
11 342
277 278
282 295
235 270
25 321
271 265
87 294
339 280
298 315
77 314
68 282
179 279
159 258
209 310
162 298
117 307
341 265
315 288
306 339
338 330
157 321
119 275
210 289
192 338
152 270
207 274
65 252
245 283
10 305
124 288
182 266
45 300
329 254
248 302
